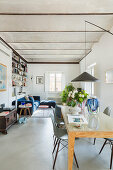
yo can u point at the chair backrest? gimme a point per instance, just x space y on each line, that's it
92 104
58 111
58 132
107 111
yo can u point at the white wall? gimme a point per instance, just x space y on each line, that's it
6 59
70 71
102 54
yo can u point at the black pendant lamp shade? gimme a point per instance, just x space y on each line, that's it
86 77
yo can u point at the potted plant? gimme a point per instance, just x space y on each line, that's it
73 98
66 95
81 98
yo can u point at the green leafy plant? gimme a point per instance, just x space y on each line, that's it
64 96
71 96
70 88
80 96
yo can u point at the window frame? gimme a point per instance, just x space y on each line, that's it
91 70
55 82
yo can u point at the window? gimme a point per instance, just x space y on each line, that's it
55 82
89 86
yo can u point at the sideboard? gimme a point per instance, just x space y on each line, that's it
7 119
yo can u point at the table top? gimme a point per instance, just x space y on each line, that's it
105 125
24 106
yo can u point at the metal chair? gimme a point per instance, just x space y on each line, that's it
108 141
60 138
106 111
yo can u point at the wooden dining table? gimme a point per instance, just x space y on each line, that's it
105 130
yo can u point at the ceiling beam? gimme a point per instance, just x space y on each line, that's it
48 49
52 42
52 62
51 54
85 56
23 13
95 31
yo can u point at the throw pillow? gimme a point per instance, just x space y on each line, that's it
26 97
31 97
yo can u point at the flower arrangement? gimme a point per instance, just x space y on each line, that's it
81 96
72 97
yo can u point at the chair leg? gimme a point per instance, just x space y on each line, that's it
56 154
111 157
103 146
55 140
55 145
94 141
76 160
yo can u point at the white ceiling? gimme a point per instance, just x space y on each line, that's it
44 37
56 6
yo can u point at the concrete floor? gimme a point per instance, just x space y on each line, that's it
29 147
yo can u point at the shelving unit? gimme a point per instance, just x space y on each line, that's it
19 72
19 76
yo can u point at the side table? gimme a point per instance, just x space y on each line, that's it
25 108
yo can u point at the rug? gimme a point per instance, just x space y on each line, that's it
42 113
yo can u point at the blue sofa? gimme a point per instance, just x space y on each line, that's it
50 103
35 101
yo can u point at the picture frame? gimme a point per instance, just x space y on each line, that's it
109 76
3 77
39 79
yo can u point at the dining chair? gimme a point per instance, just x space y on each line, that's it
61 138
106 111
58 117
108 141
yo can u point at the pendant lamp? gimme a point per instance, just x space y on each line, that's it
85 77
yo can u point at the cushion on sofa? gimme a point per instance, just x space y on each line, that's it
50 103
31 98
36 103
26 98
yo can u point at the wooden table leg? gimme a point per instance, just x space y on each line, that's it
29 111
20 112
25 112
71 142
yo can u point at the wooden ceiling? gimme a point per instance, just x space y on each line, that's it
39 32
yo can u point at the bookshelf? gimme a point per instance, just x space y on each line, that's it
19 76
19 72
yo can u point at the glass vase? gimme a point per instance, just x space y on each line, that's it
93 122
